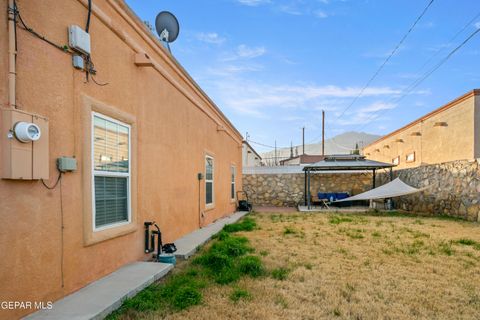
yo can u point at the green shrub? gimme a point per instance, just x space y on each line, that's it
214 261
178 292
224 262
246 224
289 230
280 273
148 299
339 219
446 248
186 297
222 235
179 281
226 276
239 294
232 246
250 265
466 242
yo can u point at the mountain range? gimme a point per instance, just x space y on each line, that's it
341 144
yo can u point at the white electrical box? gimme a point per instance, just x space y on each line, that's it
78 62
78 39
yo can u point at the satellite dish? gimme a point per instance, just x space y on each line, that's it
167 26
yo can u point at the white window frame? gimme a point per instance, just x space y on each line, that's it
410 157
110 174
233 171
396 161
210 204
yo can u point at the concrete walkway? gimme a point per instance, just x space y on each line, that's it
189 244
107 294
103 296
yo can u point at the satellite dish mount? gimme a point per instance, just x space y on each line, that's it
167 28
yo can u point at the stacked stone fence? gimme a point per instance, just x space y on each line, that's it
453 189
287 189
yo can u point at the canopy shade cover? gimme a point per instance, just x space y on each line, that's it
346 162
395 188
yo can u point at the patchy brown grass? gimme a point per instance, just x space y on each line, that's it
354 267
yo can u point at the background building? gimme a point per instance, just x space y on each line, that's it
302 159
250 157
449 133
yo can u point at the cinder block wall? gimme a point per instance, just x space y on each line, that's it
287 190
454 189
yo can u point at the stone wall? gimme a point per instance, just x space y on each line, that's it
284 190
454 189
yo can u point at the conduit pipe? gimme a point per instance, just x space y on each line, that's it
12 52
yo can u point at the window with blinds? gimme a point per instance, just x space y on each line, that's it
232 183
208 180
111 171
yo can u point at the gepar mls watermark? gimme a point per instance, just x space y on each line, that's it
26 305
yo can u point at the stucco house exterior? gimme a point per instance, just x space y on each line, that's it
250 157
150 146
446 134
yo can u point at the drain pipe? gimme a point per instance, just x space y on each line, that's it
12 52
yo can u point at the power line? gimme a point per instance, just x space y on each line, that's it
469 23
418 81
264 145
386 60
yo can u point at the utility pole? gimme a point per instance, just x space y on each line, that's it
291 149
275 152
323 132
303 140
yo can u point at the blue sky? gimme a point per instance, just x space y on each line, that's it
273 65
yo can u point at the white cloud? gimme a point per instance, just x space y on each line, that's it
244 51
231 69
290 10
377 106
477 25
210 37
257 99
366 114
253 3
320 14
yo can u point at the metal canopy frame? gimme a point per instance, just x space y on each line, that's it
342 163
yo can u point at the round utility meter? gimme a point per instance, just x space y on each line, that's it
27 132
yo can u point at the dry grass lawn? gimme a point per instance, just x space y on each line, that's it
355 267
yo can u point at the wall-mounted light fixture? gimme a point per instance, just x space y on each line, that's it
440 124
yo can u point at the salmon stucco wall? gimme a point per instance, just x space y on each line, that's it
48 248
446 134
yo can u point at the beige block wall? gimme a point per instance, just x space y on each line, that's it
430 142
174 126
477 127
